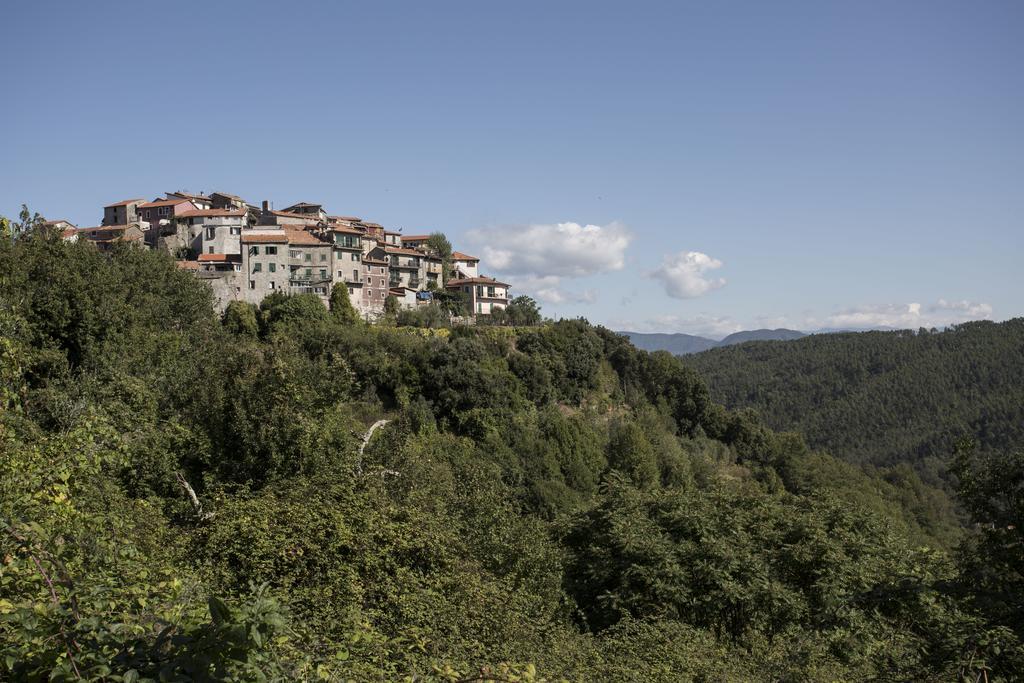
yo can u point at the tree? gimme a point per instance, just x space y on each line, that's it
240 318
454 303
991 488
631 453
391 305
282 309
523 311
27 222
439 244
341 306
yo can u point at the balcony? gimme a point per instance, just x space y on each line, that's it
301 279
355 244
411 264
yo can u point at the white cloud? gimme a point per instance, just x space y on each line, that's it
702 325
559 250
684 274
913 315
539 256
548 289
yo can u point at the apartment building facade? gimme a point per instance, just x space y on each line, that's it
247 253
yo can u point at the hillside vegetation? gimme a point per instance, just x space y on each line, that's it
545 503
883 397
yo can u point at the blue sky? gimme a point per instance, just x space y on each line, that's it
697 167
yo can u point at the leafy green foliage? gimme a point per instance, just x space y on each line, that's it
874 397
241 318
341 306
183 498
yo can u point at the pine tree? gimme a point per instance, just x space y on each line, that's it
341 306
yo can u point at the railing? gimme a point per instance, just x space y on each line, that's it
302 280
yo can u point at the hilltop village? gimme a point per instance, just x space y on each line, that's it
247 252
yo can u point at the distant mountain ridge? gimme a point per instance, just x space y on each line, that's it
683 344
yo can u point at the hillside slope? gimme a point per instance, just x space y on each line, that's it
681 344
185 496
883 397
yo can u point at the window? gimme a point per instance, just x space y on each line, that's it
257 267
210 250
164 211
351 292
323 273
479 290
235 230
271 251
490 292
323 256
355 257
211 233
272 267
307 257
255 251
309 272
252 284
271 285
355 276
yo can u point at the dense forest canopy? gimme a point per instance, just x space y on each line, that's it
883 397
185 497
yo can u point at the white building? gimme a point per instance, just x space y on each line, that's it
464 265
483 294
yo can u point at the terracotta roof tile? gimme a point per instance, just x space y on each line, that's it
164 202
212 213
219 258
105 228
265 238
188 195
299 236
459 256
403 251
124 202
476 281
346 230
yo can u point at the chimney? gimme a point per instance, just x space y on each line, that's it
266 206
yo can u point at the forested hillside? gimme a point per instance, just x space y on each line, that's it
185 497
883 397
